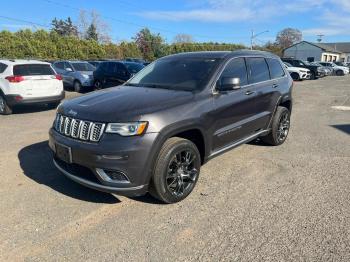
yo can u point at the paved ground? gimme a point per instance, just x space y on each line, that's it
255 203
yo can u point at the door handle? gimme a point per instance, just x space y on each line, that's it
248 93
275 85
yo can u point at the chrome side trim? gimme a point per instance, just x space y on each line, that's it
243 141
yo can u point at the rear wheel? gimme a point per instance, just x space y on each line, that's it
312 75
295 76
98 85
176 170
279 128
77 86
5 109
339 73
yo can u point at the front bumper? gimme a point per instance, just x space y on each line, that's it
130 155
87 82
13 100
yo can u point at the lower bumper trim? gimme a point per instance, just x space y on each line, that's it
11 99
128 191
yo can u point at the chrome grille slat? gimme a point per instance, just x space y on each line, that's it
79 129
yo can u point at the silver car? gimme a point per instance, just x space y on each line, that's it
76 74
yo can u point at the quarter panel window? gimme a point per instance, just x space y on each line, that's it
276 70
236 69
258 70
2 67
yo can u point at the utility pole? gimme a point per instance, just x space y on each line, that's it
319 39
253 36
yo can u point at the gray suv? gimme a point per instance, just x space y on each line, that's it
76 74
154 133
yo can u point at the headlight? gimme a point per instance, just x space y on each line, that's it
127 129
85 76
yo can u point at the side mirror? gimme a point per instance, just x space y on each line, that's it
68 69
228 84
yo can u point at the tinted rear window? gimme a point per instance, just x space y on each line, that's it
134 68
276 70
2 67
32 70
258 70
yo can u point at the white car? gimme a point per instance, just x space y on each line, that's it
297 73
338 70
28 82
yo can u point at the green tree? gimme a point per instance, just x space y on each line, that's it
151 45
64 27
91 33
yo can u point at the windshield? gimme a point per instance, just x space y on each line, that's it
180 73
83 67
133 68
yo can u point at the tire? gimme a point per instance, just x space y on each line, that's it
98 85
295 76
5 109
339 73
312 75
77 86
176 170
279 128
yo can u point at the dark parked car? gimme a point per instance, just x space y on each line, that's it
137 60
154 132
114 73
315 71
94 63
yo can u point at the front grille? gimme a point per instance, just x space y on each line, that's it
79 129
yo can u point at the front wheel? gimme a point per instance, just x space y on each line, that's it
295 76
279 128
5 109
339 72
176 170
312 75
77 86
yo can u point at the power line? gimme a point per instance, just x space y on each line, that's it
24 21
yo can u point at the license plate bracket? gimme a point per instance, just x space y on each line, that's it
64 153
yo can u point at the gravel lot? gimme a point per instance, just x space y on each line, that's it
254 203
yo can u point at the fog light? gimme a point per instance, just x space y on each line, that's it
115 176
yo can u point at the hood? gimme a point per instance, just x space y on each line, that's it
123 103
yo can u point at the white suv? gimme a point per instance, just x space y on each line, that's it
297 73
28 82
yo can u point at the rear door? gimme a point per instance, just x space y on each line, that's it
39 80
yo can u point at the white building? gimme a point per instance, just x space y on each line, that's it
344 48
308 51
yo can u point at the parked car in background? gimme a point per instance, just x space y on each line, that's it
338 70
328 70
297 73
338 63
76 74
315 71
95 63
26 82
155 132
114 73
137 60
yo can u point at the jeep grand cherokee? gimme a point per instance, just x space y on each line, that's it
153 133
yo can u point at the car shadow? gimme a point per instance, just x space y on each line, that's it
36 163
344 128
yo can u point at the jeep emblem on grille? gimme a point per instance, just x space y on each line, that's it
72 112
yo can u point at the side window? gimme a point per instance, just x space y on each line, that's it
258 70
112 68
236 69
2 67
276 70
59 65
104 66
67 65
